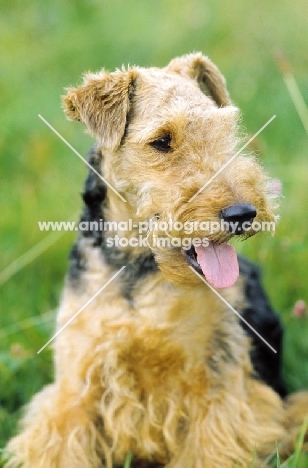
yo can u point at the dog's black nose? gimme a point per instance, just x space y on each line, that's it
239 217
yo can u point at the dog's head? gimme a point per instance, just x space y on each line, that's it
170 138
104 99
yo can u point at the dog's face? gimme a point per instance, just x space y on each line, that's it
165 133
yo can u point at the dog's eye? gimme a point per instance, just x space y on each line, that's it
162 144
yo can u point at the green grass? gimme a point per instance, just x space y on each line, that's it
47 45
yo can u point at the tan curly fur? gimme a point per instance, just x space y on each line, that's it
167 374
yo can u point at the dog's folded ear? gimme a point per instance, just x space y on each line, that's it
102 103
200 68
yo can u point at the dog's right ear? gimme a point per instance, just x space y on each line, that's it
102 103
204 71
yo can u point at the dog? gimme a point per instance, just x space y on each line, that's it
149 358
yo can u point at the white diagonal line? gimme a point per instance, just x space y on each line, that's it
82 308
233 310
31 254
232 159
79 155
297 99
26 323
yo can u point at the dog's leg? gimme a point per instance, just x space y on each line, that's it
56 433
225 430
60 426
296 411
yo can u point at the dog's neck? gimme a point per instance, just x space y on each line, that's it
105 217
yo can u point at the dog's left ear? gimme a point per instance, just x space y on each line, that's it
200 68
102 103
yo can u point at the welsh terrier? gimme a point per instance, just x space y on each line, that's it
156 364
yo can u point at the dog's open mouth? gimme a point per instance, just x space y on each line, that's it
217 263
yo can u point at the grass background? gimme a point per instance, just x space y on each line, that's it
47 45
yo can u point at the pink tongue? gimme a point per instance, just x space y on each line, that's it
219 264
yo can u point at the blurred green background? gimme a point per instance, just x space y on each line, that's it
47 45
